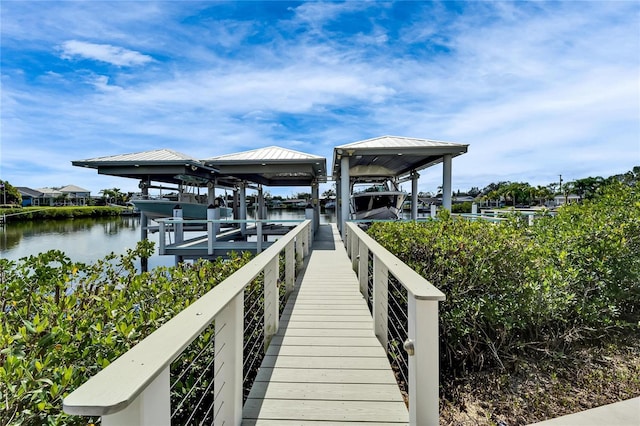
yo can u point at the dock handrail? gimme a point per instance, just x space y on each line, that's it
422 338
135 388
177 225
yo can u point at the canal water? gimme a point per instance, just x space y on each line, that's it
87 240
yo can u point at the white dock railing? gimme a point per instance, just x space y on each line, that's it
135 388
176 226
422 299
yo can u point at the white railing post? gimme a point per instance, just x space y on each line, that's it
380 300
229 324
299 246
433 211
306 241
424 363
347 240
355 242
363 269
290 267
144 398
152 407
271 299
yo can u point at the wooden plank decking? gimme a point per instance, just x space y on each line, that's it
325 365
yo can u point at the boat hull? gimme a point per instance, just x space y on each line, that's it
377 205
158 209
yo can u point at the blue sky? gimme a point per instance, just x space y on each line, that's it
536 89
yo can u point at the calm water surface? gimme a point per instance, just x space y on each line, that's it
87 240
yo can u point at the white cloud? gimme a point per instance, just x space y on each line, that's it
103 52
536 89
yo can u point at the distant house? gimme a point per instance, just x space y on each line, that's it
462 199
296 203
571 198
30 197
48 197
75 195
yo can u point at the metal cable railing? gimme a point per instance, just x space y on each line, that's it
192 378
282 290
405 319
253 348
188 371
398 333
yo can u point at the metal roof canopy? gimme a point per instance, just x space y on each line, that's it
272 166
392 156
162 165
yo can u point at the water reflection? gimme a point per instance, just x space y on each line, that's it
83 240
89 239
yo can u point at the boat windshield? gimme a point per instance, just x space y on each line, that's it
373 201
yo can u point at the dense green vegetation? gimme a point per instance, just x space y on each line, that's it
10 194
512 288
517 292
64 321
66 212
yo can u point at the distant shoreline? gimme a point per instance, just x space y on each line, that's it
21 214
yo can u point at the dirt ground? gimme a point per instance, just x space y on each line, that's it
539 389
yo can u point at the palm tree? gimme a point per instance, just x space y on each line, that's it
567 188
543 193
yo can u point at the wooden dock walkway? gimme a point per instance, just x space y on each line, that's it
325 365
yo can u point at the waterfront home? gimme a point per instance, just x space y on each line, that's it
49 196
76 195
30 197
561 199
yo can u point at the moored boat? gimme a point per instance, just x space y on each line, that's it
191 210
377 203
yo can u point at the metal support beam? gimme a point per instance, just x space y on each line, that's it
338 204
446 181
414 195
243 207
144 221
315 201
211 193
260 213
344 194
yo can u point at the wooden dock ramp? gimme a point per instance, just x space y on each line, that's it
325 365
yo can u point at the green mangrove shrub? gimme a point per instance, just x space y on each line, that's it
63 321
513 288
68 212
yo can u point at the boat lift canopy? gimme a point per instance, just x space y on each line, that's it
391 157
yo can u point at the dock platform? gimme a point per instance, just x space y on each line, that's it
229 240
325 365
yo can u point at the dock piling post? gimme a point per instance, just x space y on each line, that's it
211 227
178 227
309 214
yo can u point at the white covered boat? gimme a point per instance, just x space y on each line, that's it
193 207
377 203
